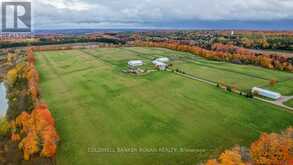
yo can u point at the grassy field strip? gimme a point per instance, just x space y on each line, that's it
194 77
214 75
285 88
97 57
228 70
52 63
140 54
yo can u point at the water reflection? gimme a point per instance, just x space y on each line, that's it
3 100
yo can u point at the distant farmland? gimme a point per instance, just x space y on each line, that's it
96 105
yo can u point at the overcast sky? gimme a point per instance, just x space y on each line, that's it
154 13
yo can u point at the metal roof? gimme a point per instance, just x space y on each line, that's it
135 62
266 93
163 59
156 62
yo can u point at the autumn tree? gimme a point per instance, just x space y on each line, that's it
11 76
212 162
269 149
39 130
30 56
272 149
24 122
4 126
273 82
228 157
266 62
231 157
11 58
29 145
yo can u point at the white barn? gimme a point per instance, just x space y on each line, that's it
160 65
163 59
133 64
266 93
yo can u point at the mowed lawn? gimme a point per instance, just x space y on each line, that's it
97 106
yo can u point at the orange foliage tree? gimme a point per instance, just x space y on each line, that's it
231 157
269 149
212 162
29 145
32 76
30 56
39 130
228 157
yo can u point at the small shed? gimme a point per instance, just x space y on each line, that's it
134 64
266 93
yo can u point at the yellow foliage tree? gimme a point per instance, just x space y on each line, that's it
212 162
231 157
29 145
11 76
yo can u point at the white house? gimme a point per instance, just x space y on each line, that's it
266 93
134 64
160 65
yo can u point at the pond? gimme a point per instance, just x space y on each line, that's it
3 100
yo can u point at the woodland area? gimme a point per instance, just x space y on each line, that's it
29 124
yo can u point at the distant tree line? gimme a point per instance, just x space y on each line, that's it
65 40
206 38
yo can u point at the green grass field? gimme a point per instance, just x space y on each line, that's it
98 106
289 103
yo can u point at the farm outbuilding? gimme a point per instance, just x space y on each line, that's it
133 64
160 65
163 59
266 93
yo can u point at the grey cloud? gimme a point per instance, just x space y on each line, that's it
139 12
